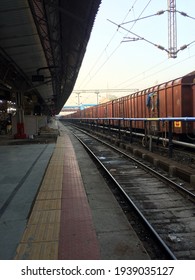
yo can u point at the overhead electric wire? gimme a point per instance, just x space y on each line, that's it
148 41
104 50
154 73
185 14
157 72
156 14
158 64
99 57
120 42
139 37
181 48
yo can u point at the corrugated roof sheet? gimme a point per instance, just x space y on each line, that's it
29 39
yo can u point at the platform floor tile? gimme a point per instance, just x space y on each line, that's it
78 238
38 251
60 225
41 237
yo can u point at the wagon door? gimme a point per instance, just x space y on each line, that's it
152 104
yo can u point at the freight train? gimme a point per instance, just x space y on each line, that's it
175 98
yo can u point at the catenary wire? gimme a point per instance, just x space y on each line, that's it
101 66
141 18
107 45
185 14
156 45
157 72
160 47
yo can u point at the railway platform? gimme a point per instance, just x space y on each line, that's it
56 205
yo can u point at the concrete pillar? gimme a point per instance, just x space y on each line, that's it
20 117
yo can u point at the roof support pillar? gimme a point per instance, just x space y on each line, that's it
20 117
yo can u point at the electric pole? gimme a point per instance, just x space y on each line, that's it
78 98
97 92
172 29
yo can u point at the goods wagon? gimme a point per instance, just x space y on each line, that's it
175 98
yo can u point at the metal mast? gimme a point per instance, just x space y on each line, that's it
172 29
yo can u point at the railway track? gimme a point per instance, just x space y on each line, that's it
166 208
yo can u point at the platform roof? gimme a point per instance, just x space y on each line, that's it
42 45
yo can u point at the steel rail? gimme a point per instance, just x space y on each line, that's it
148 225
144 166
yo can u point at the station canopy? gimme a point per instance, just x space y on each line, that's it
42 45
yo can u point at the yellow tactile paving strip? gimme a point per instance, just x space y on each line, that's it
41 237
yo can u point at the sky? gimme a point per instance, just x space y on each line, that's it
115 59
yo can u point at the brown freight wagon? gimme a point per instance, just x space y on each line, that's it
175 98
